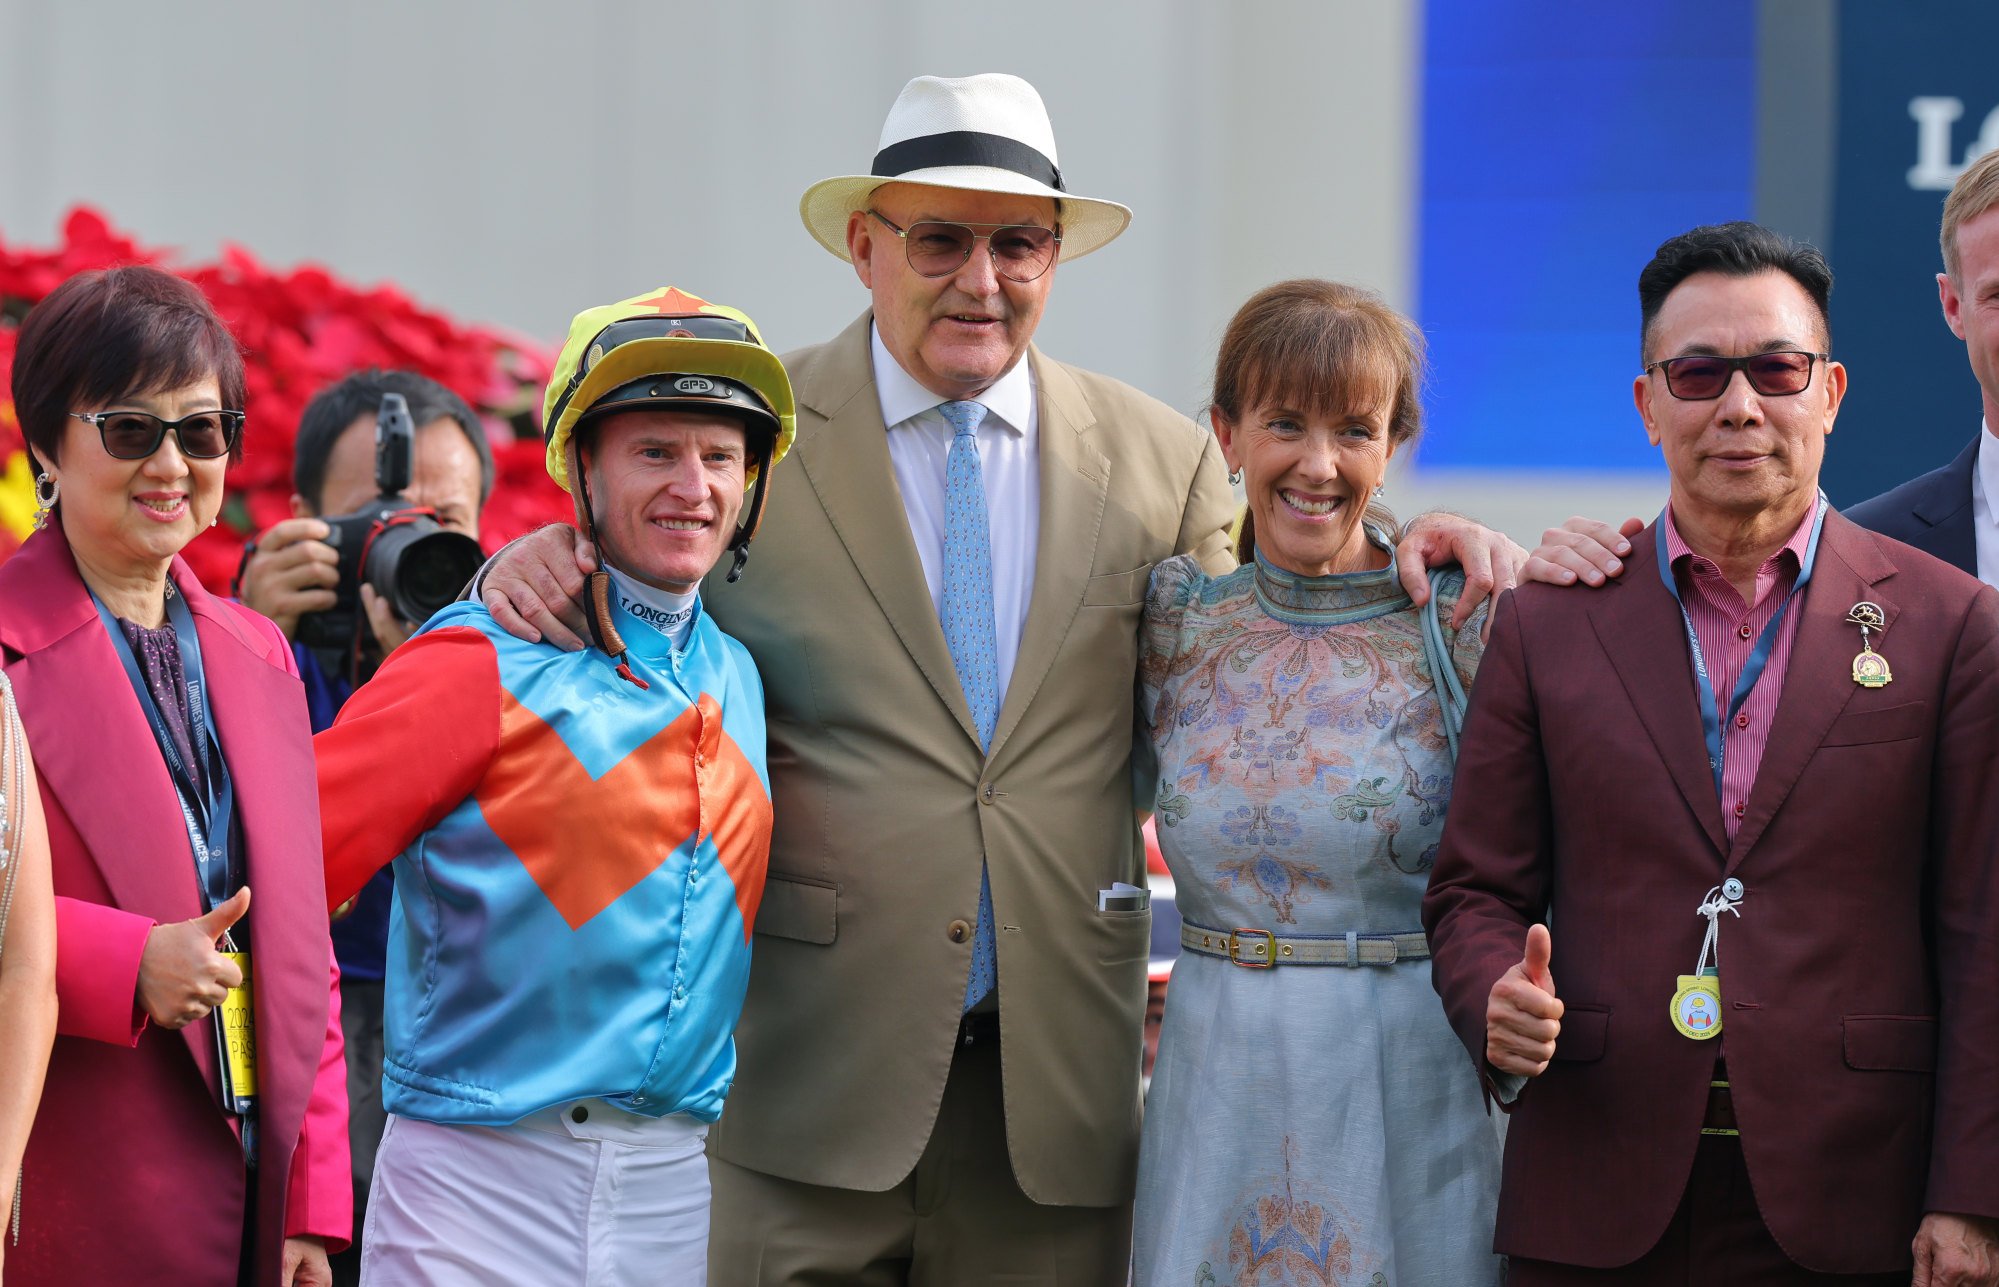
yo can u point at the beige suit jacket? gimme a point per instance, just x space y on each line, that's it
886 808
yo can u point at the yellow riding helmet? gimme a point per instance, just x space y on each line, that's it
678 351
667 333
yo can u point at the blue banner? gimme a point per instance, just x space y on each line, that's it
1562 142
1917 99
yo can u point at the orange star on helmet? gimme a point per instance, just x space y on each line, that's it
671 302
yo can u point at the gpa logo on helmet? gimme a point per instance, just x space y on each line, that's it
693 384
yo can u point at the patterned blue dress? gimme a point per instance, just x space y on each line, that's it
1307 1125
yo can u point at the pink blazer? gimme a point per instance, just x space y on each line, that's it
134 1173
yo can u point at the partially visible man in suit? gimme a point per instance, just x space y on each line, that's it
1953 512
939 1055
1774 1054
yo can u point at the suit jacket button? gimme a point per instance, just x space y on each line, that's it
986 795
958 931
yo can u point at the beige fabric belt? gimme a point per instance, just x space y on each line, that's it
1260 949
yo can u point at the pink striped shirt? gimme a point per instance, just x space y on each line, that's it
1728 630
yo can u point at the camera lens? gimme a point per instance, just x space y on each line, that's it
419 567
435 570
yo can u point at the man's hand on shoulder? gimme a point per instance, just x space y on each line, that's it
1582 549
1956 1251
534 587
1491 560
290 572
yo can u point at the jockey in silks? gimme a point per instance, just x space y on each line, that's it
579 841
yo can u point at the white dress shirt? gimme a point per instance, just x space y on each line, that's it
1984 489
919 439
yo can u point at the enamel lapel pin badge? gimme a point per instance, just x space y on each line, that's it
1870 668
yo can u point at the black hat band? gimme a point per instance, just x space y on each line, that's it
967 147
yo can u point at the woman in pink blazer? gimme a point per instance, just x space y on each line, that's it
176 774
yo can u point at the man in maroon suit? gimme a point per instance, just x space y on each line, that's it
1748 786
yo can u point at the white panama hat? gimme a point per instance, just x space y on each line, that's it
986 133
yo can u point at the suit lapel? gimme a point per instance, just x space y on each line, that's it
261 719
1074 477
107 773
1819 680
1644 636
1951 534
846 461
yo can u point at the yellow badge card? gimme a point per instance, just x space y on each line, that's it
1697 1006
239 1030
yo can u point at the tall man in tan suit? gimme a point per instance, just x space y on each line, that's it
940 1084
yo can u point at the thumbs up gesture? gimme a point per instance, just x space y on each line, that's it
181 975
1523 1016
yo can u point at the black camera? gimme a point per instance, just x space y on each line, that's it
413 562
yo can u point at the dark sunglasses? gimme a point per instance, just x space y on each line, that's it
134 435
1020 252
1774 375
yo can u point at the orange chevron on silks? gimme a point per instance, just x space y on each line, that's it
545 806
741 829
578 861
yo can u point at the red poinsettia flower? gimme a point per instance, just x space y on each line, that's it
300 330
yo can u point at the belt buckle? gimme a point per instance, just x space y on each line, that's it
1268 950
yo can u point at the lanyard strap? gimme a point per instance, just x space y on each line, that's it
1712 907
1759 657
207 813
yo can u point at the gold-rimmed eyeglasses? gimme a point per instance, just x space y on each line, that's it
1020 252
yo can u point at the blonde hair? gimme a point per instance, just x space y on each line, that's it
1975 192
1326 348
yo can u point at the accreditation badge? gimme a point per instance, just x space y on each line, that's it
1696 1006
239 1040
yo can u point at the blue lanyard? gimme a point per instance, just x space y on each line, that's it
207 813
1759 657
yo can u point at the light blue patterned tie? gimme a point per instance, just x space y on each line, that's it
969 629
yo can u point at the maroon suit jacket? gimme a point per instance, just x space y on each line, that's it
1860 987
133 1172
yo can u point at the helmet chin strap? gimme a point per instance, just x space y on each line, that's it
597 589
746 530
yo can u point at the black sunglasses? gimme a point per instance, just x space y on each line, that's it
135 435
1020 252
1703 378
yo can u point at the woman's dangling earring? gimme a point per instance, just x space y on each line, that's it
1235 477
48 490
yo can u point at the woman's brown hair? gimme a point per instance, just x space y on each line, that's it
111 334
1326 349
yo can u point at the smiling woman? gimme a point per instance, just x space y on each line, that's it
1304 765
176 772
1316 387
99 419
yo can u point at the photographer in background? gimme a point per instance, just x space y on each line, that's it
291 572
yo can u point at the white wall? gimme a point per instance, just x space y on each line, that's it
511 163
514 162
